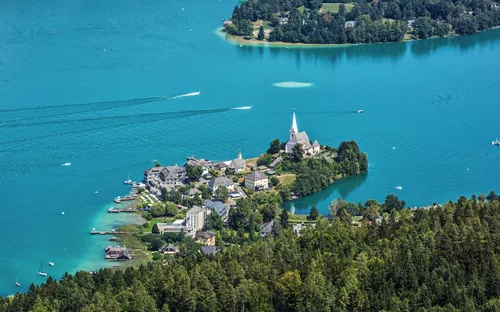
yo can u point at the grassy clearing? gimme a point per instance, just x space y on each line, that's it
334 7
330 7
157 220
252 161
299 218
287 179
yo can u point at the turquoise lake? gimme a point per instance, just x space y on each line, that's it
103 75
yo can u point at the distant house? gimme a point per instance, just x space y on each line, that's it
350 24
276 162
117 253
206 238
169 250
218 207
218 181
191 192
256 180
173 175
221 166
266 228
410 23
209 250
195 219
238 164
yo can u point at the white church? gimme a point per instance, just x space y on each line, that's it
297 137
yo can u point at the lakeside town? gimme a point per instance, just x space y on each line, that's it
184 199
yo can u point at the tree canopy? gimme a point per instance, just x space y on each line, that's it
438 259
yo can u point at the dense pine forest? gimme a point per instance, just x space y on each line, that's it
443 258
311 21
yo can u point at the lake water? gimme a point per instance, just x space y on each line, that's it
430 113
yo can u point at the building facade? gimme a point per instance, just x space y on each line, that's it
195 219
256 180
301 138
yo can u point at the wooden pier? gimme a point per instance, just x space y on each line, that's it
118 210
112 232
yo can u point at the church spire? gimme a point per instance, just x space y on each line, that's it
294 129
239 153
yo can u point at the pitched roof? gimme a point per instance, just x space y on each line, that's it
205 234
209 250
301 138
237 163
316 143
276 162
218 206
217 181
267 227
172 171
256 175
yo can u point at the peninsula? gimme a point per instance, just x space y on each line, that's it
304 22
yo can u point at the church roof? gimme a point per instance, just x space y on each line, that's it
302 139
294 127
237 163
316 143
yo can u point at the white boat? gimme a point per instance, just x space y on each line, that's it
399 187
17 282
360 111
128 182
41 272
51 263
66 164
496 142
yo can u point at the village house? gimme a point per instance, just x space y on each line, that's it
174 227
205 238
218 181
195 220
238 164
117 253
410 23
209 250
170 249
266 228
350 24
301 138
256 181
276 162
219 208
173 175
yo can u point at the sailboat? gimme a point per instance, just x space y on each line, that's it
17 282
41 272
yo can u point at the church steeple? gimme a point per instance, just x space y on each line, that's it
239 154
294 129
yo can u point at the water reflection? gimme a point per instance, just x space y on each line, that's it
322 199
380 51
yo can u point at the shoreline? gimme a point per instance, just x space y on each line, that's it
287 45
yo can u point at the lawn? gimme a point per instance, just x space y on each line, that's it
156 220
286 179
334 7
330 7
299 218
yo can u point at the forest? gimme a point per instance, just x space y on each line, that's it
443 258
369 21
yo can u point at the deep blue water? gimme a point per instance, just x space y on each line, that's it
435 101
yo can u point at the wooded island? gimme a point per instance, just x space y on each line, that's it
317 22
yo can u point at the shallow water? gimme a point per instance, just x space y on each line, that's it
106 74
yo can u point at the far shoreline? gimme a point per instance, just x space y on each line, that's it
280 44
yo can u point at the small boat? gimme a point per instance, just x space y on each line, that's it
17 282
496 142
51 263
41 272
118 200
128 181
62 213
359 111
399 187
66 164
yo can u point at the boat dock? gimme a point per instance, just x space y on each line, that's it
118 210
112 232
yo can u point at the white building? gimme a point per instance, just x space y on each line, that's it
238 164
195 220
297 137
256 180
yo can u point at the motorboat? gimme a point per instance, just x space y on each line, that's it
17 282
359 111
496 142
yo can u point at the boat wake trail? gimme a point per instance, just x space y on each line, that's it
242 107
117 123
186 95
103 104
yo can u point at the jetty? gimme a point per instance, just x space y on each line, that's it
112 232
118 210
